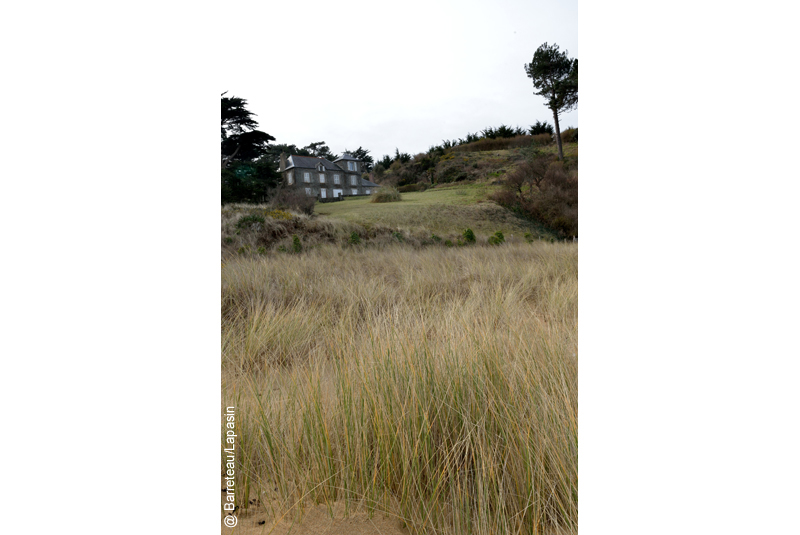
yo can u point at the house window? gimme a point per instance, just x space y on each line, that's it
335 179
323 193
366 191
308 192
354 191
351 166
322 178
290 178
306 176
353 181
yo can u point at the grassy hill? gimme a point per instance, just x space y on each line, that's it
380 372
445 211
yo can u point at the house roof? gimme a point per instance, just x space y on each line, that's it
368 184
347 156
310 162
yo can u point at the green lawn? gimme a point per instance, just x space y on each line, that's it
446 210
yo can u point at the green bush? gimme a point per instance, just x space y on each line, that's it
469 236
386 194
448 243
262 250
228 240
529 237
244 249
296 245
282 249
355 239
397 236
249 221
497 239
436 238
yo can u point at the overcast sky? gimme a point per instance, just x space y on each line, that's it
385 75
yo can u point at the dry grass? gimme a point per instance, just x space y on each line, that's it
415 220
436 385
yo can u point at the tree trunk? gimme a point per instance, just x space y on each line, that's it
558 136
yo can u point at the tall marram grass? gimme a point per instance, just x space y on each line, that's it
437 385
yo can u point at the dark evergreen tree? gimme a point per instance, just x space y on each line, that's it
240 138
555 77
363 155
320 150
541 128
247 175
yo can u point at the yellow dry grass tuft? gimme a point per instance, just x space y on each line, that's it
435 385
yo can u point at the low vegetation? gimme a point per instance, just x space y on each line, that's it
434 385
386 194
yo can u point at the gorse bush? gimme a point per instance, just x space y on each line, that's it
355 239
250 221
296 245
279 214
469 236
497 239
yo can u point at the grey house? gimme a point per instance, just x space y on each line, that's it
321 178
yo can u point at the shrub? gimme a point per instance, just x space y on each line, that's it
296 246
262 250
355 239
497 239
544 139
250 221
282 248
469 236
279 214
436 238
397 236
529 237
448 243
244 249
293 199
386 194
228 240
495 144
570 135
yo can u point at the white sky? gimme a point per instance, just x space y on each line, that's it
386 75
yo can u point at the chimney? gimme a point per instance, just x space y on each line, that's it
283 161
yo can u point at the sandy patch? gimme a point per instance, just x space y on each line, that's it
316 520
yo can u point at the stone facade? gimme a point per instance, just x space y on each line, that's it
324 179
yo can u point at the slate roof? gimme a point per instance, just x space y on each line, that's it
367 184
309 162
346 156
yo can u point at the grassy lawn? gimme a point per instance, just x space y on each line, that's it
444 210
